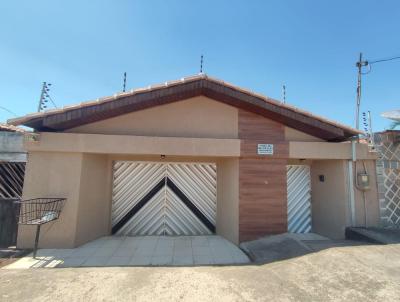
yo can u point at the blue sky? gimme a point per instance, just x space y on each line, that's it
84 47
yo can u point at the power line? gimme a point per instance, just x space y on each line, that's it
383 60
51 100
9 111
360 64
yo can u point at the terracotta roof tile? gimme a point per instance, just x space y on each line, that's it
10 128
25 119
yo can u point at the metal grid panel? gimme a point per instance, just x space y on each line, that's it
143 205
299 199
390 207
388 174
11 179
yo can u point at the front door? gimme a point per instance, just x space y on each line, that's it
299 198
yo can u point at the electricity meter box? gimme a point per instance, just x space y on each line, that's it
363 181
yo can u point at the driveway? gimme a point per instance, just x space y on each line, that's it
140 251
354 273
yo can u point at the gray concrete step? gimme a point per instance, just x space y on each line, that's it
374 235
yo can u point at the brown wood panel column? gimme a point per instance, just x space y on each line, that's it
262 178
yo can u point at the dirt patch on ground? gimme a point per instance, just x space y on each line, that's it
352 273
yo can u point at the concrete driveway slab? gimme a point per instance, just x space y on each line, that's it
139 251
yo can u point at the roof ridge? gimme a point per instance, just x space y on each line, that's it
187 79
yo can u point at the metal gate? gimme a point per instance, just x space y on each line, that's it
164 198
11 179
299 198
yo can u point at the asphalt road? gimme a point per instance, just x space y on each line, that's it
354 273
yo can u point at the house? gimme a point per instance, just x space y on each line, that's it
195 156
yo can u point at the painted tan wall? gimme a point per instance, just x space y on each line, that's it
94 199
194 117
134 145
53 175
327 150
298 136
228 199
329 198
367 210
81 178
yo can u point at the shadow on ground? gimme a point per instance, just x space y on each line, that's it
11 254
286 246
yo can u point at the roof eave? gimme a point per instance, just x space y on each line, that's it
72 116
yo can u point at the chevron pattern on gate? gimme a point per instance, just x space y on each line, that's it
164 199
299 199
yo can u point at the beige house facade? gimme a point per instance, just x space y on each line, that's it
191 157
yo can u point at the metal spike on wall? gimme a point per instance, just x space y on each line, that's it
45 97
201 64
284 94
124 87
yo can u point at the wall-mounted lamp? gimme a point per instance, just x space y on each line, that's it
162 156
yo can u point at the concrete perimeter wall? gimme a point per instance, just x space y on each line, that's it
53 175
94 210
331 209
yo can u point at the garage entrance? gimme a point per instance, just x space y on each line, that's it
299 198
152 198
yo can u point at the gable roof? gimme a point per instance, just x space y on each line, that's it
168 92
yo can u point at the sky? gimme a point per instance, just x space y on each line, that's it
84 47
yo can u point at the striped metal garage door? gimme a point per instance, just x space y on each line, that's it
164 198
299 198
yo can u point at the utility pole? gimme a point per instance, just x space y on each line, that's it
360 64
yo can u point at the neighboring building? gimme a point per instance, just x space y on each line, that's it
195 156
12 161
388 168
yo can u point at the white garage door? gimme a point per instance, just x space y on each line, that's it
164 198
299 198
